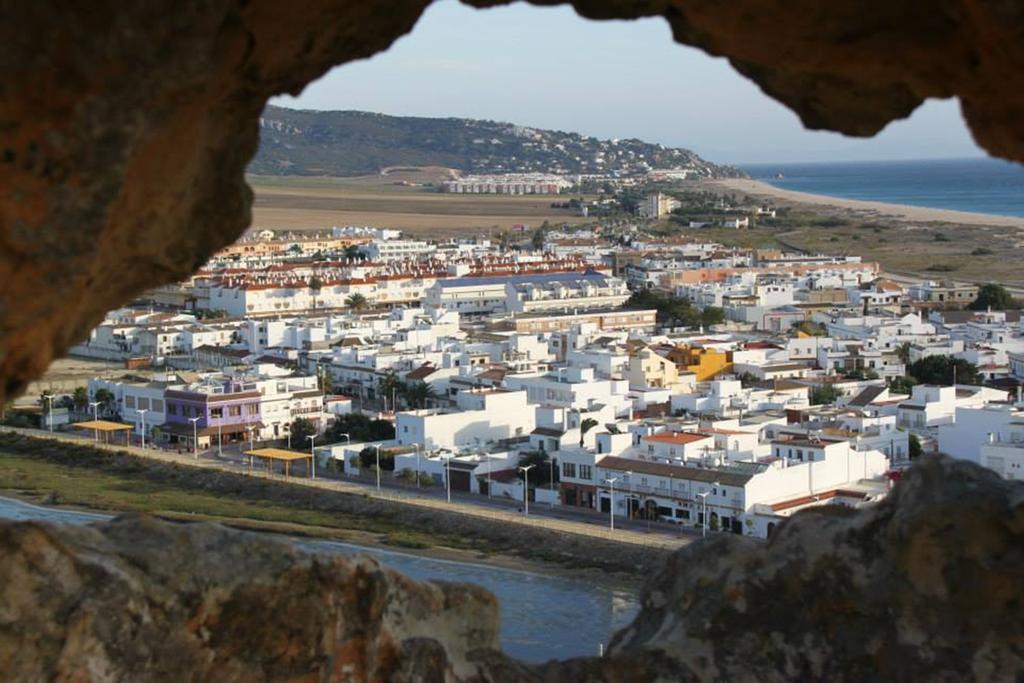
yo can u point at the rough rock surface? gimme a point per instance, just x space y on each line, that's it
125 128
140 600
926 586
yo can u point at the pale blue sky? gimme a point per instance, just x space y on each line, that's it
548 68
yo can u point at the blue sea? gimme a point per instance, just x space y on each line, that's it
980 185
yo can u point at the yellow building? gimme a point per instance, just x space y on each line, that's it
705 364
649 369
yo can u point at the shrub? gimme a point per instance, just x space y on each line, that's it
982 251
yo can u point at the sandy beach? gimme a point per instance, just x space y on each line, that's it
868 209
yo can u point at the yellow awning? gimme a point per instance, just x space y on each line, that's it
277 454
103 426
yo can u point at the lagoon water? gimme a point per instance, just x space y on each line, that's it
979 185
542 617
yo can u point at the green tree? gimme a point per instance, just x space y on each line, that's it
914 449
418 394
301 429
389 387
540 236
993 296
315 285
901 385
825 394
356 301
942 370
712 315
903 353
80 396
359 427
541 472
368 459
585 426
106 399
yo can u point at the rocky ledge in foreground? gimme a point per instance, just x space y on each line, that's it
137 599
927 585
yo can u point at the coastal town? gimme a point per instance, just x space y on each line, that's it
609 376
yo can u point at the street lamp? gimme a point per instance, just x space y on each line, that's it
220 436
417 447
525 469
448 476
195 436
629 498
95 405
611 507
377 446
704 513
142 419
312 456
49 412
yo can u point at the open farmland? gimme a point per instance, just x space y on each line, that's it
305 203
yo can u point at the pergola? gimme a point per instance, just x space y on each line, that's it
107 428
272 455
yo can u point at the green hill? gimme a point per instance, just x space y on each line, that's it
347 143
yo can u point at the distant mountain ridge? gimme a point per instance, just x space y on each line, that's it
347 143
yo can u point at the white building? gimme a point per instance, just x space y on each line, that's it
484 417
991 436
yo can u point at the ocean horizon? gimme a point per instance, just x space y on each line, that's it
978 185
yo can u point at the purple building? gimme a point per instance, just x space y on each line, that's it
225 410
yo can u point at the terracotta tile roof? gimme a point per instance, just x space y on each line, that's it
676 437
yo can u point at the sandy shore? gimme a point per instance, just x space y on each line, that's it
867 209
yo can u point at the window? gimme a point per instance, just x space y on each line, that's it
252 408
569 469
129 402
172 409
234 411
158 405
216 413
143 403
585 472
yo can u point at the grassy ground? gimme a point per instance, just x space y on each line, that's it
978 254
301 203
79 475
36 479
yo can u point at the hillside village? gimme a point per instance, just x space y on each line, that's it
700 388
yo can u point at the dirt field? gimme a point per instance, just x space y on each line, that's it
930 243
294 203
64 374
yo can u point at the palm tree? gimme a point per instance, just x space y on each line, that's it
416 394
903 353
356 301
315 285
80 396
390 386
106 399
585 426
